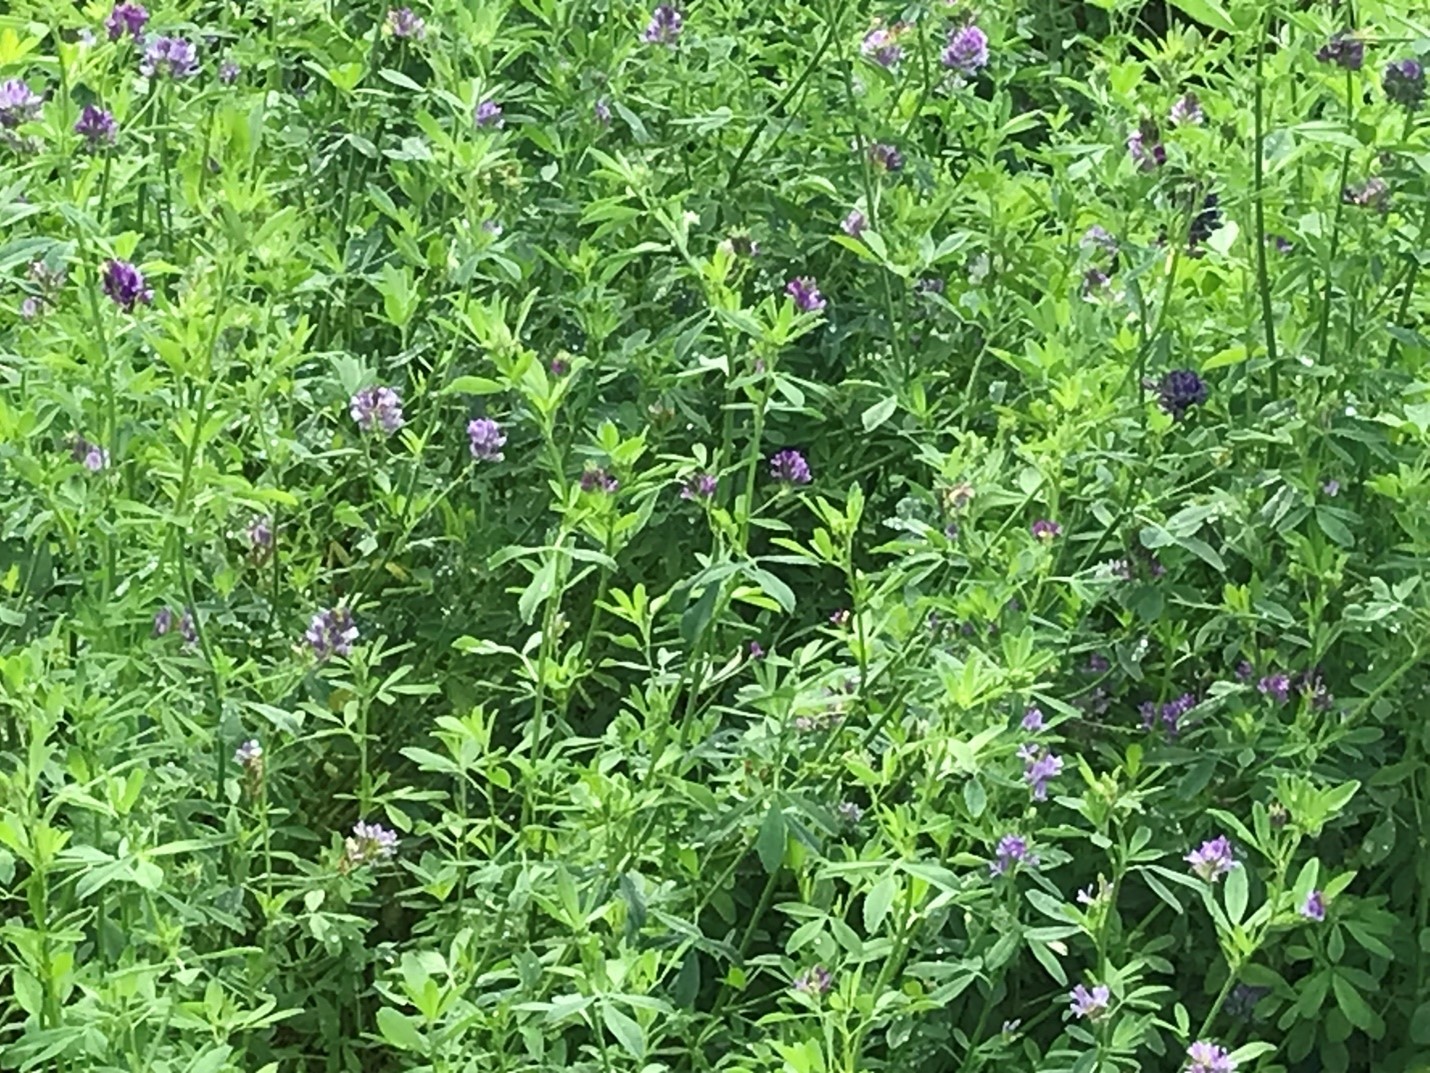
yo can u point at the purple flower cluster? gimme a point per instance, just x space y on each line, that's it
1032 719
1169 714
486 439
186 627
1344 49
369 842
1145 147
882 46
126 19
597 479
50 281
18 103
1404 83
789 467
1206 221
1045 529
228 72
816 980
1090 1004
1040 766
488 114
966 50
331 632
805 292
249 754
1212 859
886 157
260 538
853 225
1179 390
849 812
376 407
1371 194
1012 851
664 26
93 457
1204 1056
406 24
97 127
169 57
125 285
699 486
1186 111
1314 907
1276 686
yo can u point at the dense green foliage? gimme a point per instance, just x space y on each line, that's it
809 525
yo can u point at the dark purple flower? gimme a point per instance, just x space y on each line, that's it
1032 719
882 46
699 486
369 842
596 479
1097 663
1311 685
1275 686
18 103
169 57
805 293
886 157
1344 50
1207 220
664 26
1173 711
602 111
1212 859
1090 1004
1241 1003
163 621
403 22
1145 147
1045 529
853 225
486 439
742 245
816 980
1148 711
126 19
376 407
790 467
1095 284
1244 671
967 49
1179 390
1282 243
260 537
1204 1056
757 650
488 114
331 632
1040 766
1404 83
1012 851
1314 907
125 286
1186 111
228 72
188 628
559 367
96 126
1371 194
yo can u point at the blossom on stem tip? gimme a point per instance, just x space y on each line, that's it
331 632
664 27
1314 907
1040 766
789 467
882 46
1344 49
126 19
169 57
404 23
805 293
966 50
1090 1004
18 103
1012 851
1204 1056
488 114
376 407
853 225
1212 859
486 439
815 980
1404 83
96 126
1045 529
699 486
369 842
125 285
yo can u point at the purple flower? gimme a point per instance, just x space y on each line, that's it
488 114
886 157
1040 766
486 438
1244 671
967 49
602 111
93 457
930 285
757 650
1012 851
403 22
559 367
596 479
228 72
1173 711
815 980
1145 148
742 245
331 632
1282 244
853 225
1096 237
126 19
188 628
805 293
1033 720
260 537
1186 111
664 26
169 57
369 842
882 46
96 126
1213 859
1045 530
1314 907
125 285
1371 194
376 406
1344 50
1331 487
1207 220
1090 1004
1404 83
31 307
699 486
1276 686
849 812
249 754
790 467
1179 390
1205 1056
18 103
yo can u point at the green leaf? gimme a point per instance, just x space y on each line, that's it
877 903
474 385
626 1030
880 412
770 842
975 797
1350 1002
1420 1024
400 1031
1050 962
1237 892
1209 13
773 587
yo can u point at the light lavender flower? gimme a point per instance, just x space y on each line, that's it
882 46
597 479
699 486
816 980
331 632
790 467
1033 719
228 72
375 407
18 103
849 812
1012 851
967 50
486 439
369 842
805 293
92 456
1275 686
1040 766
1314 907
163 621
406 24
664 27
488 114
1204 1056
248 754
853 224
169 57
1212 859
1091 1004
1186 111
602 111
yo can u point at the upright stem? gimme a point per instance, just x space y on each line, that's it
1259 207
